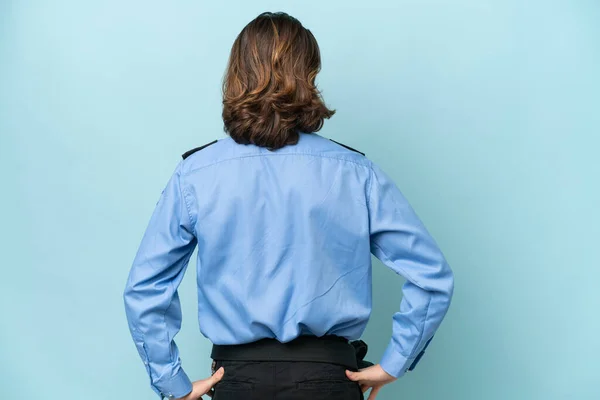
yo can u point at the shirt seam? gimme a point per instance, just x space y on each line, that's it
371 173
403 270
183 193
185 261
416 282
273 155
148 367
413 352
317 297
167 333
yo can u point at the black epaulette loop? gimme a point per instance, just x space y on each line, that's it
192 151
348 147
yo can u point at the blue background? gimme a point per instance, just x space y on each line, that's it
486 113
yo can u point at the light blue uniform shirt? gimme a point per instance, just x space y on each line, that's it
284 244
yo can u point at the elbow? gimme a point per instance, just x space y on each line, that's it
126 297
442 283
448 283
128 291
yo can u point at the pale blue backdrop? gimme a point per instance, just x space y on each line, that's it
486 113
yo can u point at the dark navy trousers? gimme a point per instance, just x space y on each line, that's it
284 380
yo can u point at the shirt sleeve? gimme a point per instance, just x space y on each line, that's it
399 239
151 301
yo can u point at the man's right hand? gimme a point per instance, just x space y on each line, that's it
372 377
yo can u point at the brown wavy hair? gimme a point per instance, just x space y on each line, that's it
269 91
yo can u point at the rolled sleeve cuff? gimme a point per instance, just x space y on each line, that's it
179 385
395 363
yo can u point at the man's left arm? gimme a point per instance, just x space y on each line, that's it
151 300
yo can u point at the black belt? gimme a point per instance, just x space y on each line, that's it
330 349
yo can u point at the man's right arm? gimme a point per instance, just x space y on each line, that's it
400 241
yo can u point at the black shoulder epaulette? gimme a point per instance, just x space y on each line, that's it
348 147
192 151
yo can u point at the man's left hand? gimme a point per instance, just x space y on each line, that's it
204 386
